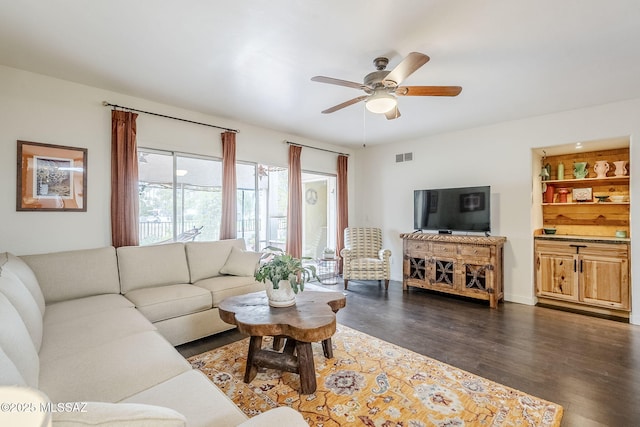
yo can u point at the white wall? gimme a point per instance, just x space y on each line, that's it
42 109
500 156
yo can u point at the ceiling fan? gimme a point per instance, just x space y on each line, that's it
382 87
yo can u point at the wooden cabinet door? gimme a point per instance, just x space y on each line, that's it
604 281
443 273
555 276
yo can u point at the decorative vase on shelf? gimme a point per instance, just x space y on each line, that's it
621 170
580 170
548 194
283 296
560 174
601 168
562 195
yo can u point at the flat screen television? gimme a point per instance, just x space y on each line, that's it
453 209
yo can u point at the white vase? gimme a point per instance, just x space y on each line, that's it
601 168
281 297
620 169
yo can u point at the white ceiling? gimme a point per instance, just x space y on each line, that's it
252 60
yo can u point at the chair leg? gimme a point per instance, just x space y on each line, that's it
386 284
346 282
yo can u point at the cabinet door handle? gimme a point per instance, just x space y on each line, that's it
578 247
581 261
575 265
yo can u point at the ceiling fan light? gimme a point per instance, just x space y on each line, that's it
381 102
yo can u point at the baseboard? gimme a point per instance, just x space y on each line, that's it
634 319
519 299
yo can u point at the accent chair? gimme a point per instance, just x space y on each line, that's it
363 256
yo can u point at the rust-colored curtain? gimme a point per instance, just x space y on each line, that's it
294 210
124 179
228 227
342 203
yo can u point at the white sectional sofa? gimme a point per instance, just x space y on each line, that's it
99 326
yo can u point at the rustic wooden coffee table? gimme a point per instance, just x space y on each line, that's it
312 319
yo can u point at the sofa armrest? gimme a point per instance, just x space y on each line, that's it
281 416
346 254
117 415
384 254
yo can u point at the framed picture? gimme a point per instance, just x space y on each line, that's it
582 194
51 177
471 202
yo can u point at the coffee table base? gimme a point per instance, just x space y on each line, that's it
297 357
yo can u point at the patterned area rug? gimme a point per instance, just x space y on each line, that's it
370 382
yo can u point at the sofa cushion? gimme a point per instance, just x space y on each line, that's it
207 258
222 412
119 415
28 411
113 371
62 339
166 302
75 309
9 374
222 287
364 264
75 274
18 267
16 342
241 262
23 302
150 266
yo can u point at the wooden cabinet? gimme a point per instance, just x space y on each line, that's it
583 273
471 266
584 266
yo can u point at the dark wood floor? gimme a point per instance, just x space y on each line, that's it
590 366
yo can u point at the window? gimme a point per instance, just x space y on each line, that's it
246 203
178 193
273 196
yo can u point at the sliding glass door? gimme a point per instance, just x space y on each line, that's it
318 213
181 193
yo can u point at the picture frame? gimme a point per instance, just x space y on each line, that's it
582 194
51 177
472 202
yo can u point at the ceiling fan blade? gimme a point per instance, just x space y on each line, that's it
406 67
428 90
338 82
345 104
394 113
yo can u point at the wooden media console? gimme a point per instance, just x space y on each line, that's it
470 266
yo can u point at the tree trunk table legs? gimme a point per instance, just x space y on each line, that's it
296 357
327 348
251 370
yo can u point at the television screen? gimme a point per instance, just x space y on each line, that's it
453 209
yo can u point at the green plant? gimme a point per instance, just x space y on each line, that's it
277 265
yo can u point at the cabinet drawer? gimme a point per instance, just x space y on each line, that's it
443 249
603 249
418 246
478 251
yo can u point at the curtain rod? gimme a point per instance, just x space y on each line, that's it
316 148
107 104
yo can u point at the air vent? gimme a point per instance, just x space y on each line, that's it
406 157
